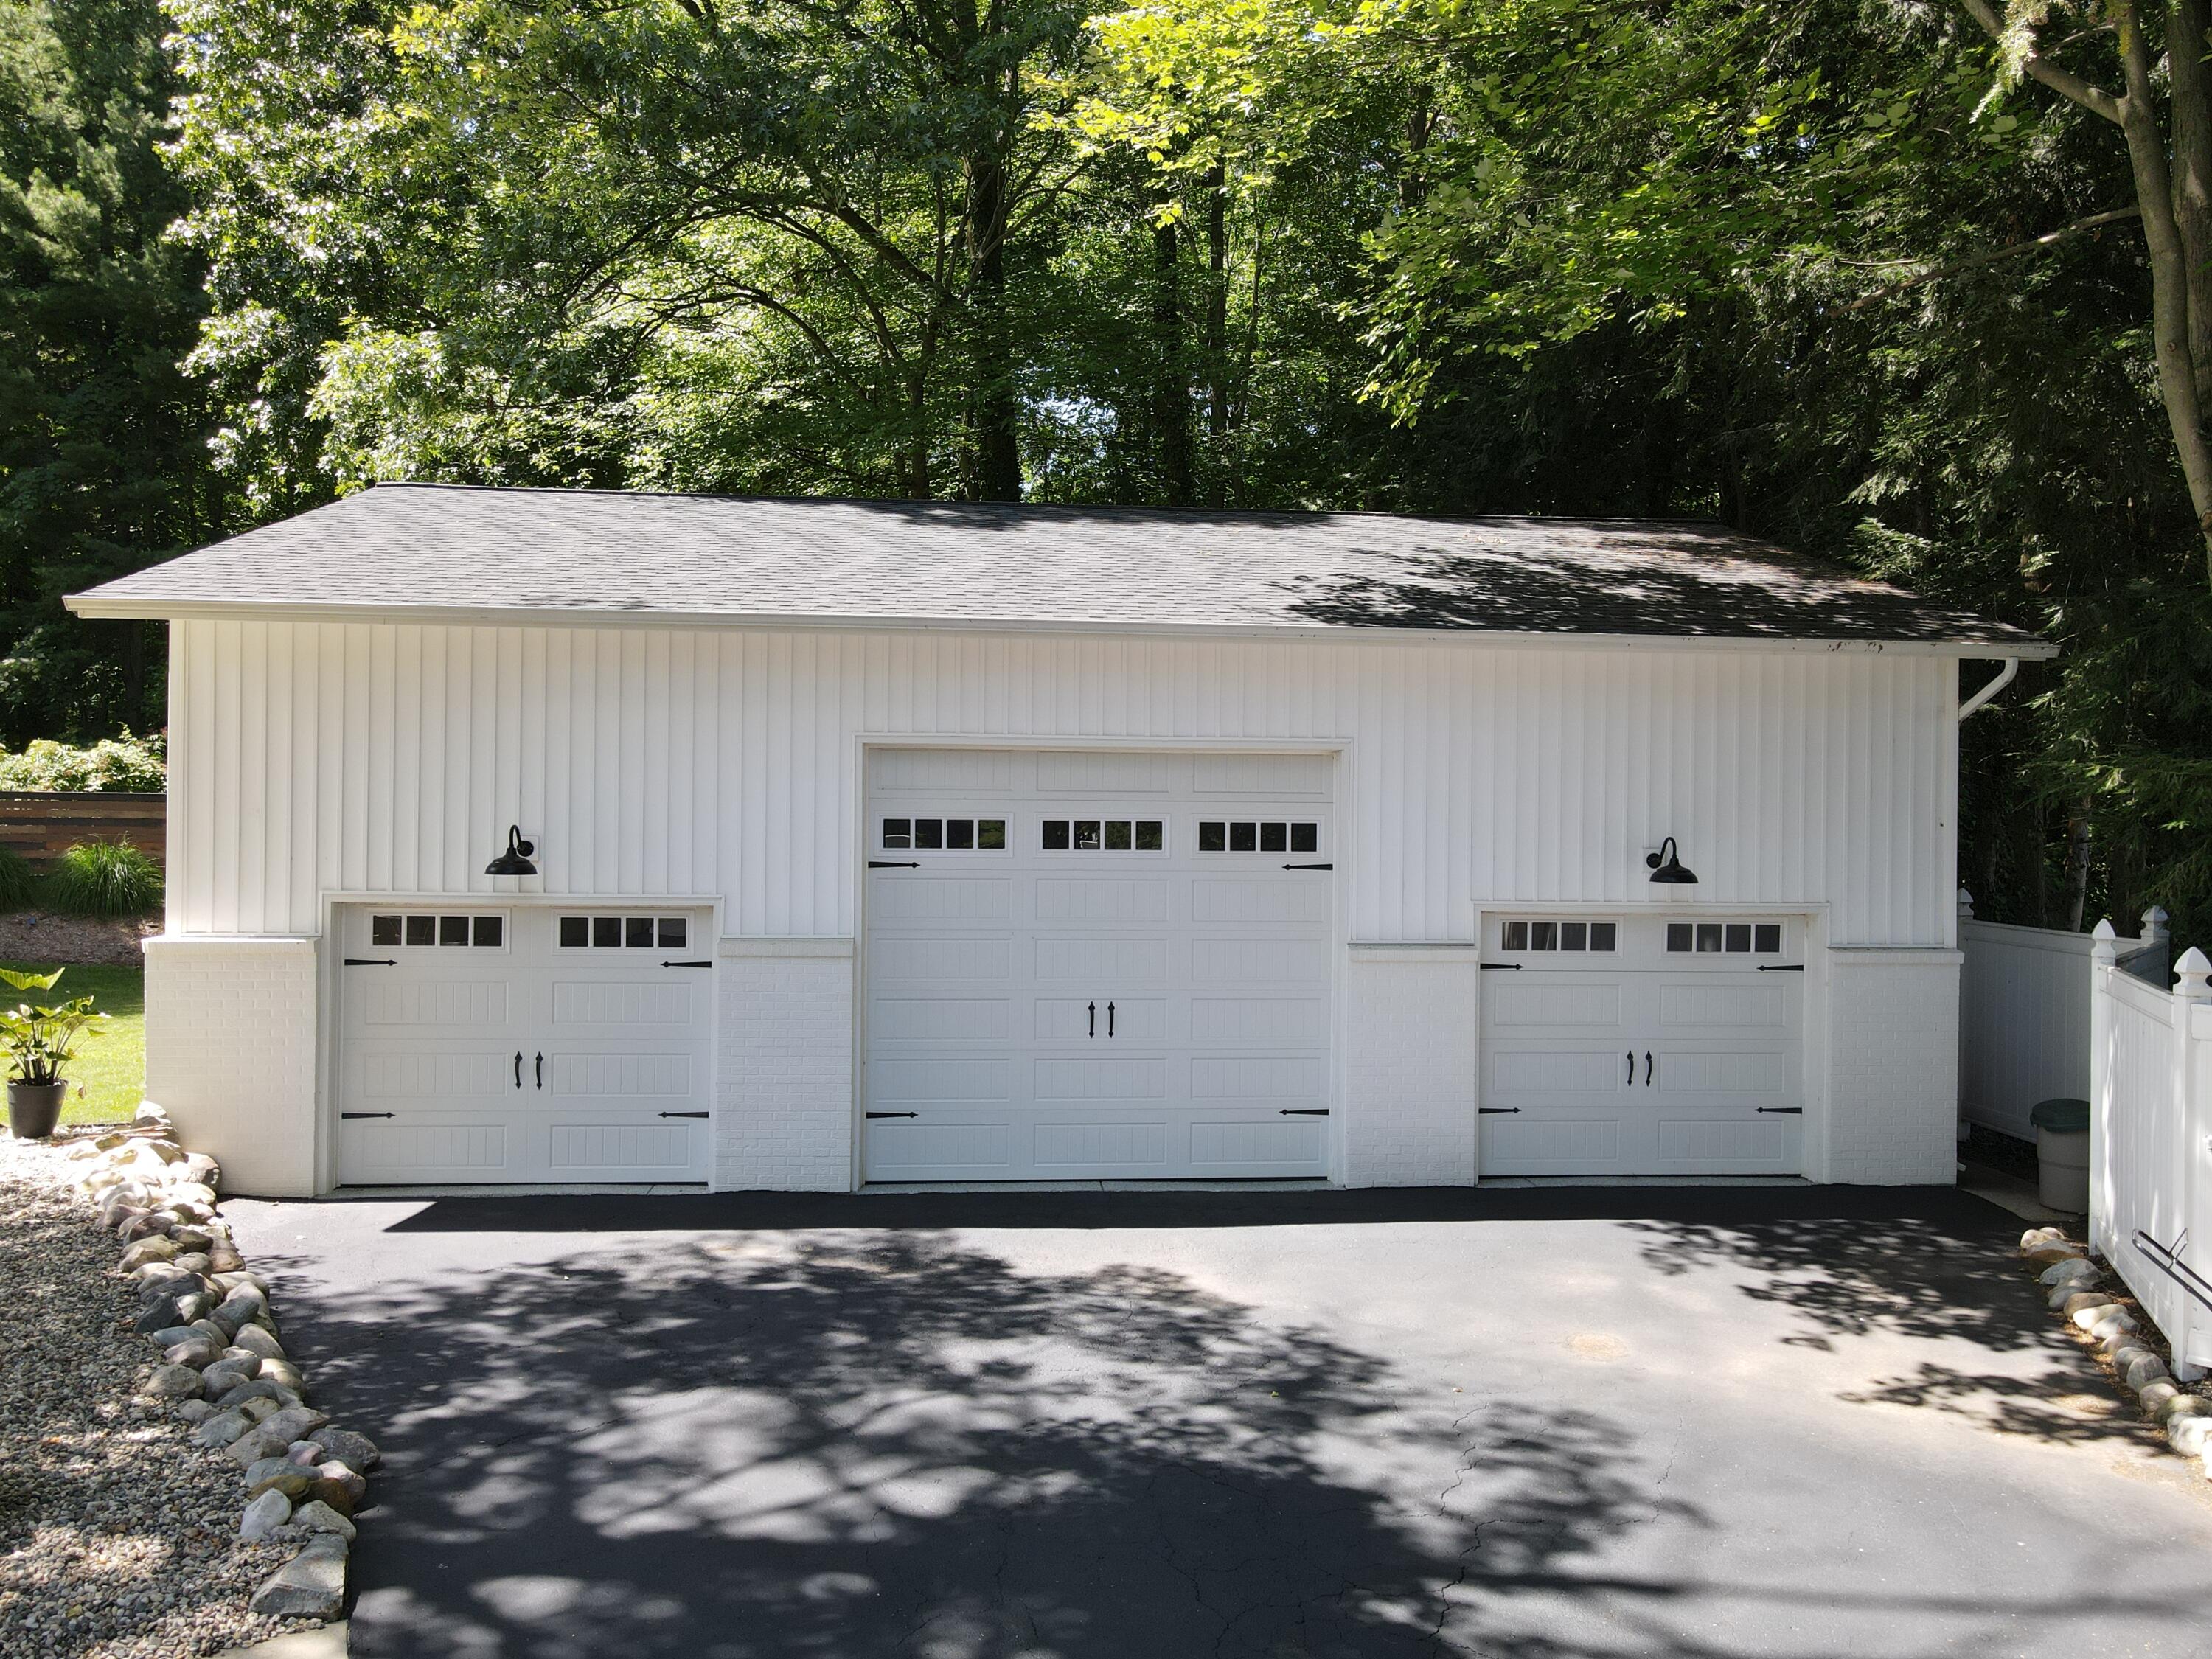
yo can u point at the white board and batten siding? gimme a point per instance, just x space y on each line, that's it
313 758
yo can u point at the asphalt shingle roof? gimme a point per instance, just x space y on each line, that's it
536 554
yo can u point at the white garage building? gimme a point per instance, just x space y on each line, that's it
899 841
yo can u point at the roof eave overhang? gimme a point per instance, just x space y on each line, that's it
93 605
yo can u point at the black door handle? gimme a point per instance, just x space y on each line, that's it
1498 1111
541 1071
1784 1111
517 1068
1303 1111
372 962
366 1113
1109 1019
684 1114
1094 1019
687 964
1647 1069
1781 967
894 864
1309 866
1514 966
893 1114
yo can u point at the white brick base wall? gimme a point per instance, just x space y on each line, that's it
230 1050
783 1117
1409 1070
1892 1103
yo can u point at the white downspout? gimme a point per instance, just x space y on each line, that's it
1980 699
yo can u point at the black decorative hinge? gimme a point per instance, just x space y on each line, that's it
1782 1111
684 1114
1781 967
894 1113
894 864
368 1114
687 964
1303 1111
1309 866
1515 966
1498 1111
371 962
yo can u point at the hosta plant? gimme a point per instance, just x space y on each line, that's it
38 1038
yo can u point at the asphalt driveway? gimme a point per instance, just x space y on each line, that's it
1821 1422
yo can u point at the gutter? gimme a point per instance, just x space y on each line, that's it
1980 701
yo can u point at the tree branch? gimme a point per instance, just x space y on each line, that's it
2064 83
1990 256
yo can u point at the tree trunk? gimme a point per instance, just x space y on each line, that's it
2077 865
1170 377
1216 334
998 444
2189 89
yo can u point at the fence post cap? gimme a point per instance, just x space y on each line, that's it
2194 971
2104 950
2154 921
1965 905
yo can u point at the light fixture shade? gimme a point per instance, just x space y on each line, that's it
1667 867
515 861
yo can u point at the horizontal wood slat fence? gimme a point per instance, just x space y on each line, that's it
41 825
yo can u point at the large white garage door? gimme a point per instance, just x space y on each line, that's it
524 1044
1086 965
1642 1045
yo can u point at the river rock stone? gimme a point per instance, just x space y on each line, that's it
339 1486
195 1351
270 1511
2070 1302
241 1307
222 1429
196 1412
145 1251
254 1339
2059 1273
290 1480
318 1516
223 1257
174 1382
2190 1436
355 1450
271 1394
284 1374
227 1374
192 1237
2155 1392
2145 1367
311 1585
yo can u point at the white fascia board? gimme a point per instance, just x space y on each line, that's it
91 606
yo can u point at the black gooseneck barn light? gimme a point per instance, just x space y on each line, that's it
515 861
1666 867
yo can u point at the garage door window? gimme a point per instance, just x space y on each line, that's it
434 932
623 932
1559 936
1233 835
1102 836
1723 938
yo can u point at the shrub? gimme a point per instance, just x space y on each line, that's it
104 879
124 763
18 885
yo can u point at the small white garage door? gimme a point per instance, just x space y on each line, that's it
1096 965
1643 1045
524 1044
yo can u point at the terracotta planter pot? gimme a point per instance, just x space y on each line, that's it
34 1109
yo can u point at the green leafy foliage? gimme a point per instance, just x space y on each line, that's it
126 764
38 1038
104 879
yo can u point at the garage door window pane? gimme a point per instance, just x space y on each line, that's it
384 930
1543 935
898 832
1680 936
1517 936
491 932
421 930
637 933
674 930
1274 837
1056 836
1087 834
1708 937
606 931
1151 836
575 932
1305 838
1739 936
1602 935
929 833
1212 837
1574 936
960 834
453 930
1117 834
1244 837
1769 936
991 834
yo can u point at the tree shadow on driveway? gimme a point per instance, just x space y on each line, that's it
889 1444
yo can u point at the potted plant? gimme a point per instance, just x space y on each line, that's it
38 1041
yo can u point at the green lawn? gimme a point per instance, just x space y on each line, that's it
112 1065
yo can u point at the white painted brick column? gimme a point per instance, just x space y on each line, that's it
1891 1111
1412 1020
230 1050
783 1110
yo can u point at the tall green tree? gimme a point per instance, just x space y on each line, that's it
103 466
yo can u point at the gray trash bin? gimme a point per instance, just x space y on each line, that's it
2062 1153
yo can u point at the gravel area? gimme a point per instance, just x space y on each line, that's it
41 936
118 1533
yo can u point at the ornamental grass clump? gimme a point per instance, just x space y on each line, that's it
104 879
18 884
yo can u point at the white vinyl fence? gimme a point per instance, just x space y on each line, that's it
2023 1021
2150 1156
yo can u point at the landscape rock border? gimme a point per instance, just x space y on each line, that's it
2069 1277
223 1368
